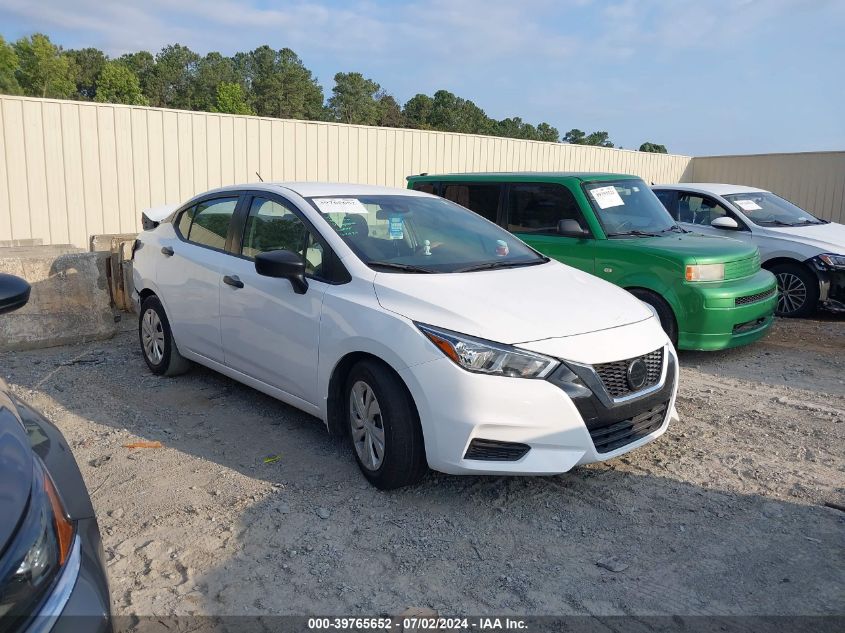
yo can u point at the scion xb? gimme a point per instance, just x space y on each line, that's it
710 293
420 330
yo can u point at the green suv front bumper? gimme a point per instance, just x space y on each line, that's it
727 314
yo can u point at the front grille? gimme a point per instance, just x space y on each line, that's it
495 451
760 296
742 267
613 436
614 376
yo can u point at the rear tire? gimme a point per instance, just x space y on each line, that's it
383 425
798 290
664 312
156 338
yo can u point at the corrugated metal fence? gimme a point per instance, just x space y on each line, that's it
815 181
69 170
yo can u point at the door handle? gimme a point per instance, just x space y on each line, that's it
166 251
233 280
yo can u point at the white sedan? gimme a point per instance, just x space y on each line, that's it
806 254
425 333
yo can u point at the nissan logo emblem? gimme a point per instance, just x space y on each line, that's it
637 374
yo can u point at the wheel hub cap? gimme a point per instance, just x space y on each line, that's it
793 293
152 336
366 425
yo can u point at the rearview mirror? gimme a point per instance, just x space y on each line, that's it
571 228
14 293
283 265
725 222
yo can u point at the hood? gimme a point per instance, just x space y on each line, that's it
828 238
684 247
15 468
511 305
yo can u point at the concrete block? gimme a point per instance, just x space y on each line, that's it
70 300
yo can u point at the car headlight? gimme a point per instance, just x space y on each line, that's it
834 261
705 272
485 357
39 548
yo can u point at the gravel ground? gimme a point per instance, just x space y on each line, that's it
725 514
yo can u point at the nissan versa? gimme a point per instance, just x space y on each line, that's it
422 331
52 576
709 293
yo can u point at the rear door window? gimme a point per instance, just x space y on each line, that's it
537 208
667 198
481 198
207 224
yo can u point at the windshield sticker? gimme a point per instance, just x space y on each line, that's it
607 197
748 205
339 205
395 227
502 249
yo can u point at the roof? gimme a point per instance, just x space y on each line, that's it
309 189
523 175
716 189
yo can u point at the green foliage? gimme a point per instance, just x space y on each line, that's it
88 63
118 84
8 65
280 85
43 69
264 81
231 99
354 100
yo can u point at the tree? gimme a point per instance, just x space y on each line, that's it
118 84
574 136
170 84
451 113
43 69
280 85
599 139
653 147
8 65
417 111
546 132
390 112
143 65
231 99
213 70
354 100
88 63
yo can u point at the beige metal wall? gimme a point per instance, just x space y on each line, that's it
69 170
815 181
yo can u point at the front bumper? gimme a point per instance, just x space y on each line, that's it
717 319
457 406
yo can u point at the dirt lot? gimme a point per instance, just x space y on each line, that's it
725 514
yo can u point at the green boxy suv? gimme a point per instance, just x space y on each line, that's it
709 292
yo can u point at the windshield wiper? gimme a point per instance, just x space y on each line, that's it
779 223
504 264
635 233
408 268
675 228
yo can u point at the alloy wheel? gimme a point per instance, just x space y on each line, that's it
366 425
152 336
792 293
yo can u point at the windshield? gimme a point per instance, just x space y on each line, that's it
767 209
413 234
629 208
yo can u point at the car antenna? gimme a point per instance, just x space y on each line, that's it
259 177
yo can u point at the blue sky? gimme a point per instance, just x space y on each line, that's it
700 76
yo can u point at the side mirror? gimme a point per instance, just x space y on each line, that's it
14 293
283 265
571 228
725 222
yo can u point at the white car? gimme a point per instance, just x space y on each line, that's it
806 254
422 331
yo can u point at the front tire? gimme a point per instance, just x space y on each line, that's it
157 344
664 312
383 426
798 290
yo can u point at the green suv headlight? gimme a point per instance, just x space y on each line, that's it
705 272
485 357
